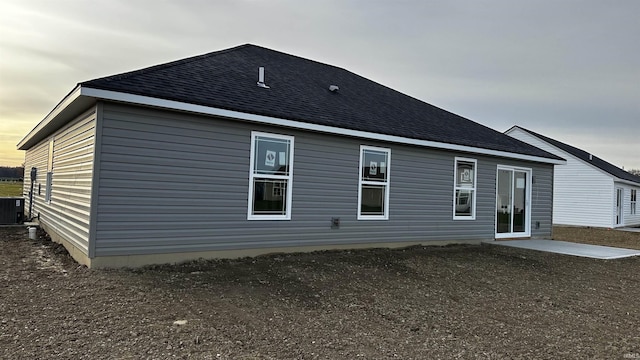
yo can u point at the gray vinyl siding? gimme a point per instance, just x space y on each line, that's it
68 211
542 200
171 182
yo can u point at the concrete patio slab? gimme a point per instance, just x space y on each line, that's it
630 229
570 248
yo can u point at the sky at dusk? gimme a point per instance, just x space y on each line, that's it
568 69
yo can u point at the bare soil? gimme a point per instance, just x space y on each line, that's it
456 302
598 236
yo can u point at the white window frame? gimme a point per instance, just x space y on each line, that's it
253 175
528 202
473 189
386 183
634 201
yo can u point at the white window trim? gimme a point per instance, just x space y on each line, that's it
456 187
288 178
633 202
387 184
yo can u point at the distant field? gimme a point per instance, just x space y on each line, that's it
8 188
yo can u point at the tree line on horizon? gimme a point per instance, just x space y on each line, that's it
8 172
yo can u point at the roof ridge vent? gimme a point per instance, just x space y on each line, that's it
261 78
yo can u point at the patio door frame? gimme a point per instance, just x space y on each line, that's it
527 205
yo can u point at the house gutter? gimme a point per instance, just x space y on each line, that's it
109 95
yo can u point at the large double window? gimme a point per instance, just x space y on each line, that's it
373 190
464 197
270 177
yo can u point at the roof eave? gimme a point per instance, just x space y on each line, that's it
595 167
231 114
82 96
624 181
63 112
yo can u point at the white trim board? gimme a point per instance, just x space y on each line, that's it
262 119
63 104
565 154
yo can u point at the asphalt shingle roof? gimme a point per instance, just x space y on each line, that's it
584 156
299 90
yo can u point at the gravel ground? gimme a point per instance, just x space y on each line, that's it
468 302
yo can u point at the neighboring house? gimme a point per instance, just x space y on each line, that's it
587 190
248 150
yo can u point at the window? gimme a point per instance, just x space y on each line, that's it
464 196
270 177
47 194
373 191
278 189
634 198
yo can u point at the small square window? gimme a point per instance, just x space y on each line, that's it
269 197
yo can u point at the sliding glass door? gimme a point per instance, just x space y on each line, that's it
513 209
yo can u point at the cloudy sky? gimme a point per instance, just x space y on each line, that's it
567 69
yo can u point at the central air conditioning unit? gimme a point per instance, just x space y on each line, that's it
11 210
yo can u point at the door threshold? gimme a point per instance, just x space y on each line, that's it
513 238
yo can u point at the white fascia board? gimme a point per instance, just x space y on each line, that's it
181 106
66 101
627 182
569 155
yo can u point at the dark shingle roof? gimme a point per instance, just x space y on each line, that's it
299 90
584 156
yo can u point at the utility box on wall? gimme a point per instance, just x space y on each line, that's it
11 210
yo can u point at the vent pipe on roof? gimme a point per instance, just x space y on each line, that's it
334 88
261 78
590 157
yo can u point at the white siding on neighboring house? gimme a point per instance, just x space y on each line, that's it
582 193
628 219
67 214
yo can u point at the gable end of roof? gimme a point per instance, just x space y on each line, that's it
584 156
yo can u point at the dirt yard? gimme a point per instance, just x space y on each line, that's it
598 236
466 302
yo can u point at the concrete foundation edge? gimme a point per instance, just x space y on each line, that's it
76 253
132 261
174 258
